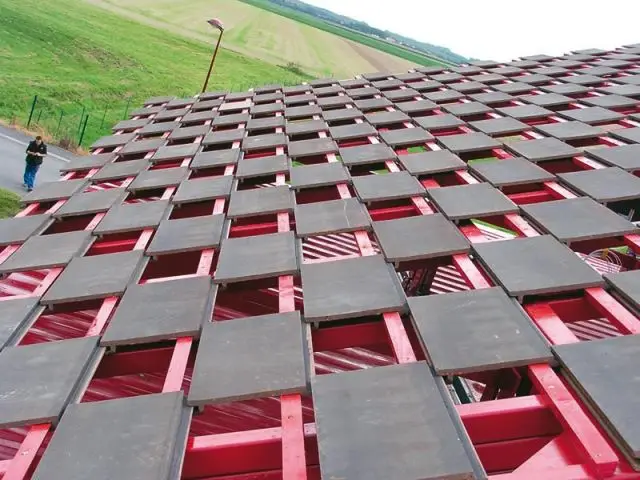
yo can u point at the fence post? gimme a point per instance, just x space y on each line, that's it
81 119
126 110
103 118
33 107
59 123
84 128
39 115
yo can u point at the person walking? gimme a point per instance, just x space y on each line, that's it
36 151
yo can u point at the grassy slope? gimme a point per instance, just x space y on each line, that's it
73 53
9 203
372 42
261 34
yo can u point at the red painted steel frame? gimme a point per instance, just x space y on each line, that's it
546 434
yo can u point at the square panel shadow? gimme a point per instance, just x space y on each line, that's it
373 286
536 266
161 311
250 358
475 331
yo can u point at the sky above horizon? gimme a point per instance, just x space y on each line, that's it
501 29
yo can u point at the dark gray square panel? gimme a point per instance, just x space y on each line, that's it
342 114
202 189
142 146
548 99
390 186
444 96
496 127
319 175
601 370
260 201
610 101
578 219
306 127
380 119
352 132
47 251
514 88
627 134
373 104
175 152
184 133
216 158
89 162
627 284
491 98
232 120
388 423
417 106
626 157
37 381
429 163
223 137
583 79
15 316
467 109
266 109
475 331
468 87
311 148
264 142
155 129
568 131
511 171
187 234
406 137
624 90
140 437
259 167
469 142
113 141
53 191
265 123
237 360
160 178
419 238
118 170
100 276
253 258
88 203
525 112
18 229
439 122
592 115
129 217
543 149
367 154
568 89
609 184
334 216
305 111
130 125
373 287
478 200
536 266
161 311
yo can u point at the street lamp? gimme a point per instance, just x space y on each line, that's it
215 23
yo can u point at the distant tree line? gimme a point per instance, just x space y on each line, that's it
362 27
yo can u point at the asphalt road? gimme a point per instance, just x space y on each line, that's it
13 145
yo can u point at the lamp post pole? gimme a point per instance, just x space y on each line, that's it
218 25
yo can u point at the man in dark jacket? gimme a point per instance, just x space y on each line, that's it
36 151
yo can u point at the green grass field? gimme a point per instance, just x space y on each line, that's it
260 33
9 203
387 47
75 55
